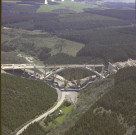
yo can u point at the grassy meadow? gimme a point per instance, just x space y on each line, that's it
67 5
11 57
56 119
41 39
52 121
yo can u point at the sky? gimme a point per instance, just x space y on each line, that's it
126 1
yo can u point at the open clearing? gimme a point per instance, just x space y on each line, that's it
42 39
75 6
11 57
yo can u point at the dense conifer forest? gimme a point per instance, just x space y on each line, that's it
34 129
105 33
22 100
114 113
107 44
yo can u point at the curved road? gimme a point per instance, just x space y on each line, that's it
45 114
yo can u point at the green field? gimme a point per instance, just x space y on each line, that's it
65 111
56 119
52 121
11 57
86 99
74 6
41 39
57 45
23 100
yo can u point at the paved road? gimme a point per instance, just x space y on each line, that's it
45 114
32 66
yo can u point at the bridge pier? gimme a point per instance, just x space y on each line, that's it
24 71
110 68
94 68
44 73
102 71
34 70
56 69
13 68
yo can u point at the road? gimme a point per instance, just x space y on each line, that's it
32 66
60 101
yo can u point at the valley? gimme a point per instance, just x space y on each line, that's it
53 85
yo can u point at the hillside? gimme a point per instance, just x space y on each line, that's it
23 100
41 45
79 32
114 113
110 44
11 57
91 35
86 99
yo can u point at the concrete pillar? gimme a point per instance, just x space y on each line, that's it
13 67
94 68
102 70
110 68
34 70
44 73
24 70
45 2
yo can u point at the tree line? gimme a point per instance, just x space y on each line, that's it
22 100
109 113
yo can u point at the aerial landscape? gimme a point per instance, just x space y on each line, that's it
68 67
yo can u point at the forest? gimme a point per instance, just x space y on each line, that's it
54 23
128 15
23 99
34 129
28 48
108 34
108 44
62 58
101 46
100 36
111 112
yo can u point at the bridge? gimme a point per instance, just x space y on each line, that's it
114 67
55 68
